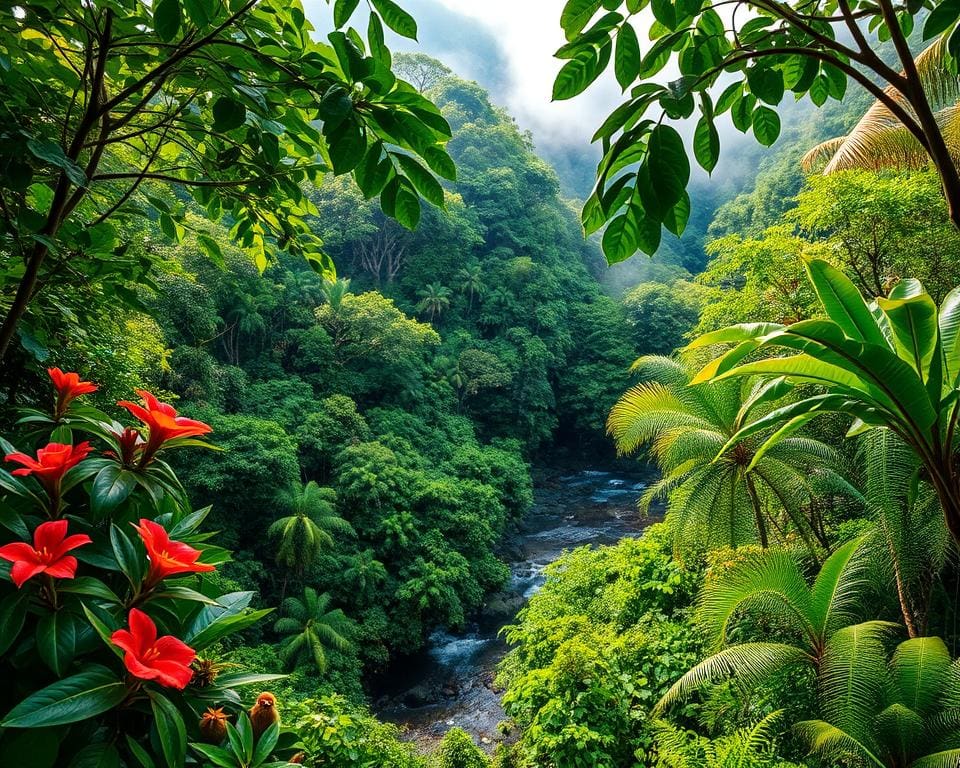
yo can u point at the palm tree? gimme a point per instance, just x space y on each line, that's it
334 291
306 531
720 498
471 283
911 539
875 714
434 299
817 618
880 139
310 629
364 574
892 363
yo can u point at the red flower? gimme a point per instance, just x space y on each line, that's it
69 387
166 659
162 422
168 558
47 555
52 463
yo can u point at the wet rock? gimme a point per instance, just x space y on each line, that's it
502 606
421 695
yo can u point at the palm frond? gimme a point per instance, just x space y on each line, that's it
769 583
880 140
830 743
750 663
852 677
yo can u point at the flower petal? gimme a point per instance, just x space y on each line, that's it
22 571
64 568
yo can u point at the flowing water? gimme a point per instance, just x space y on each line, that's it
450 683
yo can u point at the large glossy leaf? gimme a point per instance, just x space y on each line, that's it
170 729
842 302
949 325
913 320
57 640
79 697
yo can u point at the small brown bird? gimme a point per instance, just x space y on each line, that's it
213 725
298 758
264 713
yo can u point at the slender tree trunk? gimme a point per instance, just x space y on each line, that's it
758 512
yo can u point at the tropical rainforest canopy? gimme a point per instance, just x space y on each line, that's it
301 325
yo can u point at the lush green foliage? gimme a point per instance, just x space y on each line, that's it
212 98
64 642
606 636
743 67
723 498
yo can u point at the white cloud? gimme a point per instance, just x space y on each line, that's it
529 33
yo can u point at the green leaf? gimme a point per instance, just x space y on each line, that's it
766 83
576 75
170 729
52 153
140 753
396 18
223 626
669 168
407 208
89 586
706 144
342 11
228 114
665 12
200 12
111 487
97 756
766 125
126 555
13 614
913 321
440 163
268 740
102 630
57 640
576 14
347 147
167 18
80 697
620 238
422 180
941 18
843 303
626 59
819 90
678 216
217 755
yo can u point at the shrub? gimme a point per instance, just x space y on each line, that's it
108 625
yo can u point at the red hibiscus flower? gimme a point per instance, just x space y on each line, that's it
47 555
162 423
165 659
168 558
69 387
52 463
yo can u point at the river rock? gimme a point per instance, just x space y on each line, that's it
421 695
503 606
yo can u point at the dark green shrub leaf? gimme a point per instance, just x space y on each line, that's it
167 18
80 697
